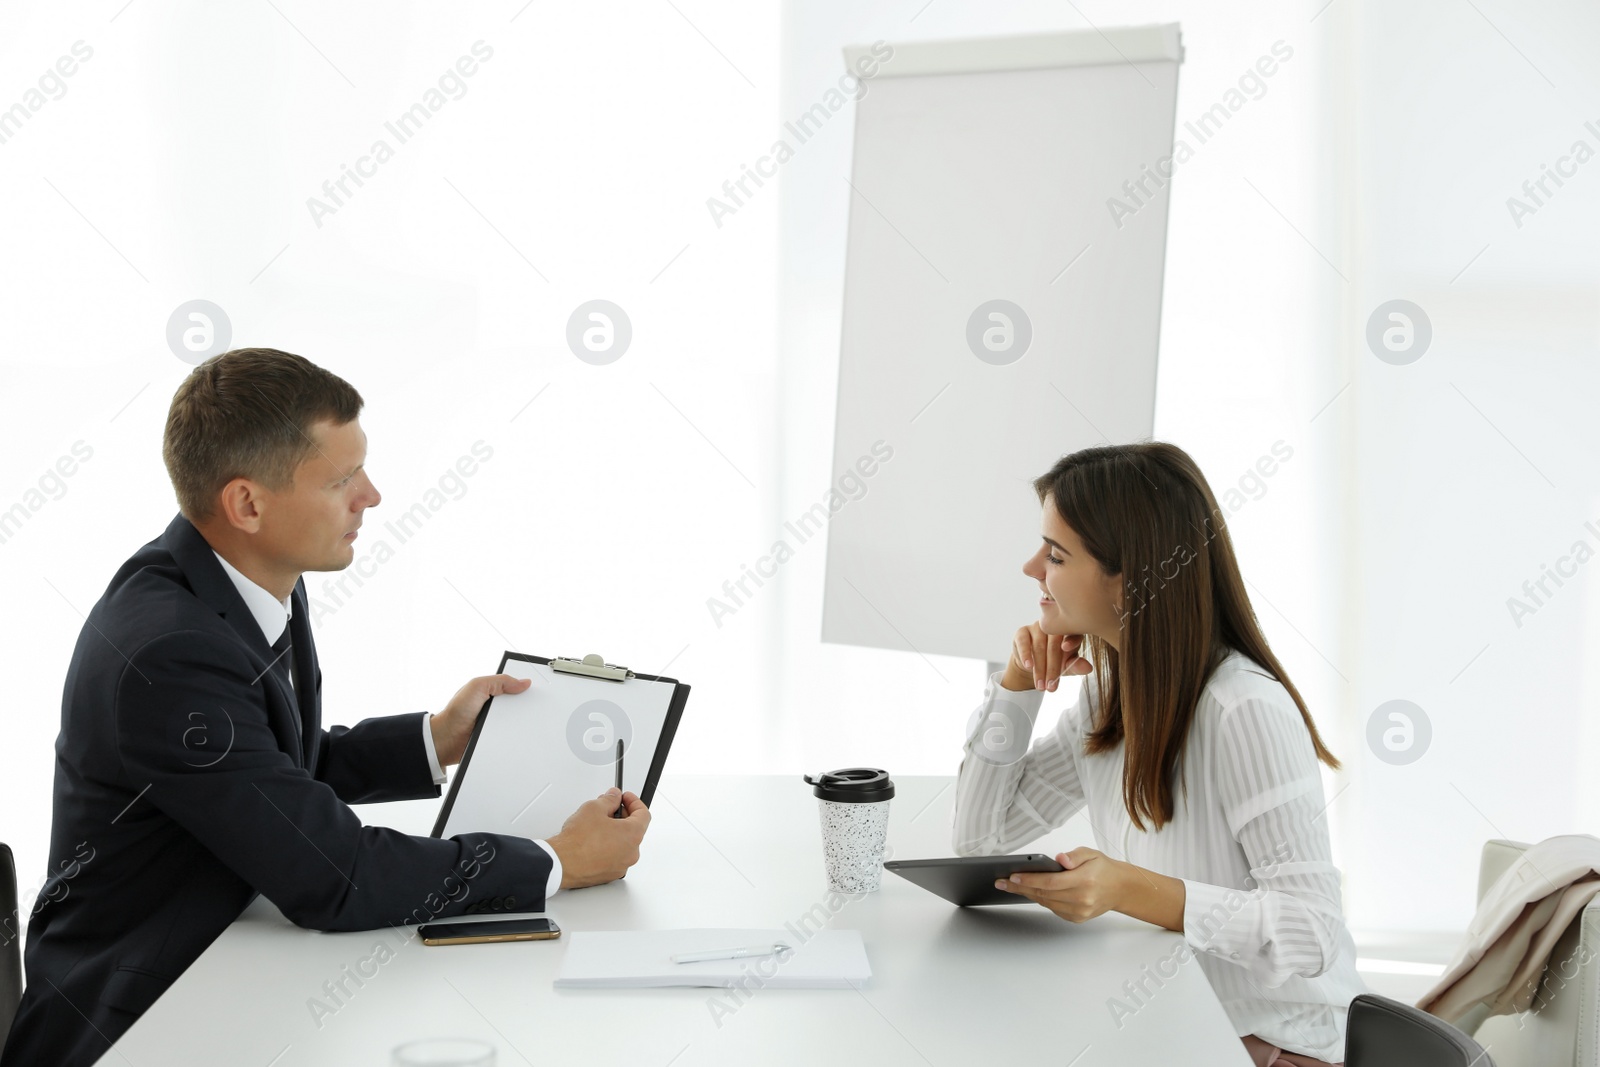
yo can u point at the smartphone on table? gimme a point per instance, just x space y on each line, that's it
480 933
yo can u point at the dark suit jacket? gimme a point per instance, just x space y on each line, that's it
190 778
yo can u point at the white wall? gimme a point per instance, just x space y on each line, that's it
1472 467
615 503
1247 358
1375 165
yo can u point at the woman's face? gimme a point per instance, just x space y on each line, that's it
1076 595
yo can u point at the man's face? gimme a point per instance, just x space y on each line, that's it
310 524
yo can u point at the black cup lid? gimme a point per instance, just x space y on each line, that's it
852 785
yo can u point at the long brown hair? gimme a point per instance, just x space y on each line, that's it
1144 511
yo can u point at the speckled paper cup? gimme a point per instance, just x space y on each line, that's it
854 805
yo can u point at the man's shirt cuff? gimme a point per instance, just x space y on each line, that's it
433 755
554 883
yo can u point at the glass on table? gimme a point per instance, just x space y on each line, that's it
444 1052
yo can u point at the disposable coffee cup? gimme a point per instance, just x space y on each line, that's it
854 804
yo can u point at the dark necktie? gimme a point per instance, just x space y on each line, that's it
282 657
282 666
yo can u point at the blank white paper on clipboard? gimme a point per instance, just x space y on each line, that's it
536 755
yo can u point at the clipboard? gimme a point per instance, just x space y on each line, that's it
535 756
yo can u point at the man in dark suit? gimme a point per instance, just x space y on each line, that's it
192 770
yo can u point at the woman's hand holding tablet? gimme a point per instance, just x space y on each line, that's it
969 881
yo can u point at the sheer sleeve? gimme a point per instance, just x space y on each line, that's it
1008 793
1287 922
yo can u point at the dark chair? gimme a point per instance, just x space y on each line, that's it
1386 1033
10 944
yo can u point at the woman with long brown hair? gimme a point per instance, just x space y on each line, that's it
1191 750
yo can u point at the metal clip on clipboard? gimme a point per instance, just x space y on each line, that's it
592 665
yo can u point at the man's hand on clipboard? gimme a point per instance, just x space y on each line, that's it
452 727
596 848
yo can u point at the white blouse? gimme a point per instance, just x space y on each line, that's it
1248 837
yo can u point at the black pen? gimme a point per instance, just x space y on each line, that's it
622 809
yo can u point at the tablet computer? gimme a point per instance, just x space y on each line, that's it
967 881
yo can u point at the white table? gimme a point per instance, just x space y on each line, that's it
949 986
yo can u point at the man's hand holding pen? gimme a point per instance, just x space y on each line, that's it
594 846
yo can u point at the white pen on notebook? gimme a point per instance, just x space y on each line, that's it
774 949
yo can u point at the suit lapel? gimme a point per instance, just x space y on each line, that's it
212 586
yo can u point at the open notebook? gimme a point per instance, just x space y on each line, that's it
630 959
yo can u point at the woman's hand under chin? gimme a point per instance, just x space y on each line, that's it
1038 660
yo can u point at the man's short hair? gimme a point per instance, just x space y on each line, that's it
248 413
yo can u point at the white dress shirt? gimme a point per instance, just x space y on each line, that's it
272 615
1261 909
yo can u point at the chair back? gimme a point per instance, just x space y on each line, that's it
1562 1026
1380 1032
10 944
